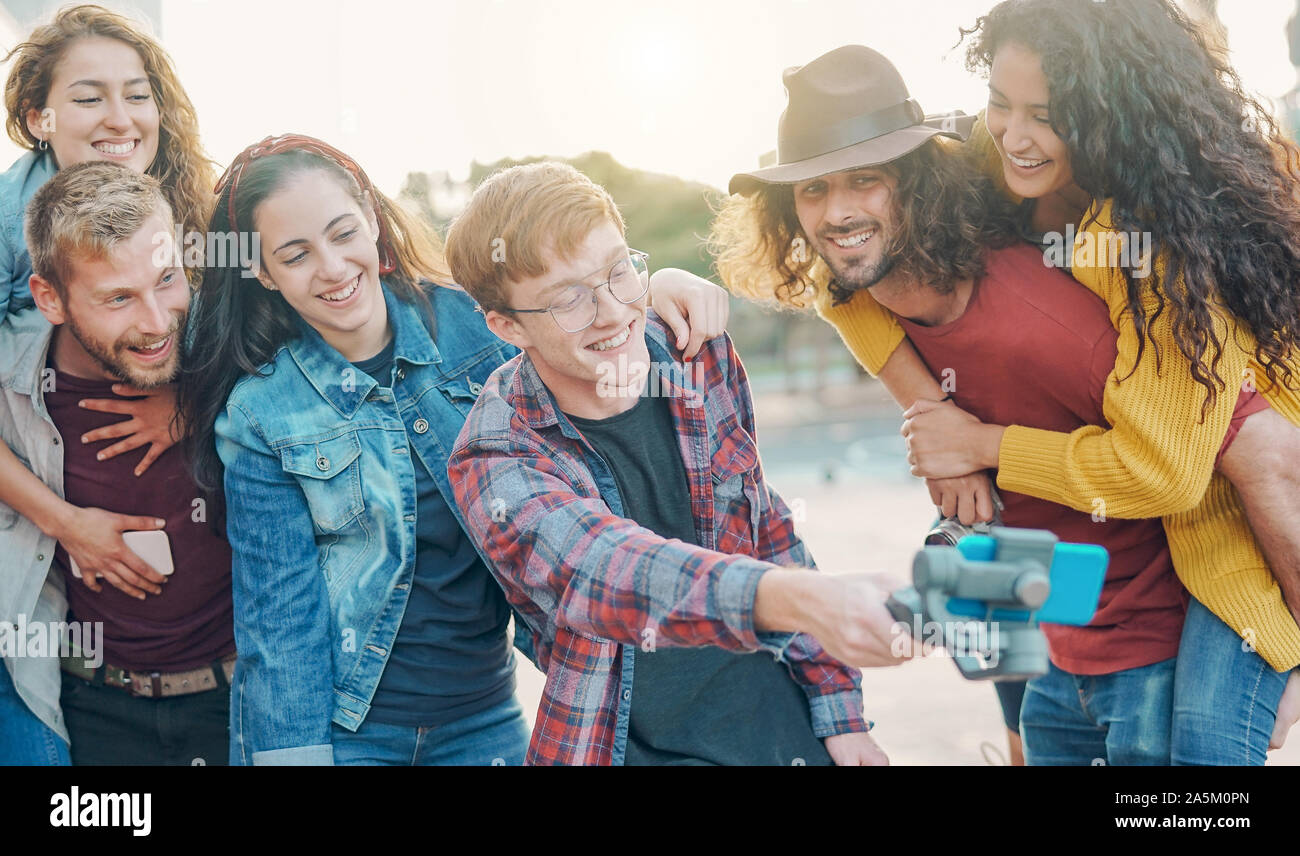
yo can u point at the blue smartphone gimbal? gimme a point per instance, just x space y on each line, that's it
983 599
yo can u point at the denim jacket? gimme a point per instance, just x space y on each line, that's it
321 497
17 186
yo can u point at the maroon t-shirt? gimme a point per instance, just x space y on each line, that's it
190 623
1034 348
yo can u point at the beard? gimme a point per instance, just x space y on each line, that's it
113 359
856 276
852 275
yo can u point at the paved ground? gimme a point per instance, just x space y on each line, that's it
839 458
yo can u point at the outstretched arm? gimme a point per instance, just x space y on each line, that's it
564 554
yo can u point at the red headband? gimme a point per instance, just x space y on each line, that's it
298 142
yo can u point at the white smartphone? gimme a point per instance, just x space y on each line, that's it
152 545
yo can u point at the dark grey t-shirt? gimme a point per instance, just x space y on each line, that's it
694 705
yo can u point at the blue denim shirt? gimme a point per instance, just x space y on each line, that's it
17 186
321 497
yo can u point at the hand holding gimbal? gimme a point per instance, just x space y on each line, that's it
983 599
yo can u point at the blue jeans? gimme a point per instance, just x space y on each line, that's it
496 736
1225 695
24 739
1117 719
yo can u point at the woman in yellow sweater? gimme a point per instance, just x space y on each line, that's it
1143 142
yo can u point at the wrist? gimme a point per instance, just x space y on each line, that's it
662 278
991 446
781 601
55 517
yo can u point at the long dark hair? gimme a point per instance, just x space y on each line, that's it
946 214
237 326
1156 121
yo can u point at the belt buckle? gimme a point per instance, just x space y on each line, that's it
135 684
128 683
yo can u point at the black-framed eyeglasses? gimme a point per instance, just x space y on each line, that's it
574 307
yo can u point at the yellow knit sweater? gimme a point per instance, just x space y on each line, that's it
1157 460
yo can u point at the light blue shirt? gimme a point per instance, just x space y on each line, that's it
29 594
17 186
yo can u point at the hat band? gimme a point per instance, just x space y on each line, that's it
856 129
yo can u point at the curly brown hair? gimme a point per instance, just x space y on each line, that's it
1157 122
946 213
181 166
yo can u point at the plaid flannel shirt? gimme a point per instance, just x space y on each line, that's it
592 586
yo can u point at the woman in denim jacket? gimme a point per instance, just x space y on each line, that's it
325 391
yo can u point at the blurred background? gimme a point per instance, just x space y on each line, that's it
660 103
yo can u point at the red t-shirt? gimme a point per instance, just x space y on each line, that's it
191 623
1249 402
1034 348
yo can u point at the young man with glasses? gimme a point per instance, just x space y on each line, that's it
634 533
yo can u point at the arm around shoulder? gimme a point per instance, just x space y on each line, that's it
869 330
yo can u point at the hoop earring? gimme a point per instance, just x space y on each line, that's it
43 144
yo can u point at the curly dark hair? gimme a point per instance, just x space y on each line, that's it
946 213
1156 121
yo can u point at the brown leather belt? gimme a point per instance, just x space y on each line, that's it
213 676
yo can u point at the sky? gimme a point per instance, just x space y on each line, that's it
686 87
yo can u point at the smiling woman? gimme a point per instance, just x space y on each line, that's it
91 85
99 106
321 397
326 267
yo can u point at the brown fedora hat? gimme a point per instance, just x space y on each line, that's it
848 108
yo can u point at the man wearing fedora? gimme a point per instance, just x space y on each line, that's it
868 200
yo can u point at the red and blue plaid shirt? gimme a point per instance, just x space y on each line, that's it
591 585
